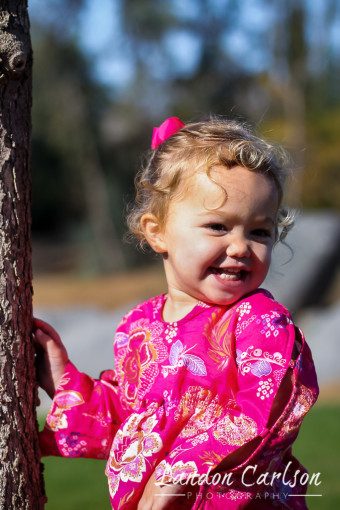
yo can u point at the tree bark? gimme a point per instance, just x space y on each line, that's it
21 482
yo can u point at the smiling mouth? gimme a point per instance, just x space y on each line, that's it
230 274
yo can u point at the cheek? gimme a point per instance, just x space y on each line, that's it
264 255
267 257
203 248
192 254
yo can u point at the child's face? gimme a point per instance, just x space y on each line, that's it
218 250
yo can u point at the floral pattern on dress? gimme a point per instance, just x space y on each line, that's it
278 375
244 309
271 323
303 403
169 402
265 389
210 458
200 439
219 339
63 401
138 358
203 414
171 332
244 324
72 445
180 357
101 418
258 362
235 430
64 380
169 473
131 447
195 401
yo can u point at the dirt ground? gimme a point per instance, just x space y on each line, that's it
106 292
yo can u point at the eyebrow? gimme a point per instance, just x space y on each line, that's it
266 219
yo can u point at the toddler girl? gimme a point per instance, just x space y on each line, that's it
212 379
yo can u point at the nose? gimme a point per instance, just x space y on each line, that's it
238 245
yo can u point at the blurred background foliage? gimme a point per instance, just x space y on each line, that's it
106 72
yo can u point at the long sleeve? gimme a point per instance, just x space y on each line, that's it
261 339
84 417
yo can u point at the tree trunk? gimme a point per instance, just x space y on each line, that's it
21 483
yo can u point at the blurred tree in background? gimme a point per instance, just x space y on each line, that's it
274 64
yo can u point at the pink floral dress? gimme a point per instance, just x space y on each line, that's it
187 394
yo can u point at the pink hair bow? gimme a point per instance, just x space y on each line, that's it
164 131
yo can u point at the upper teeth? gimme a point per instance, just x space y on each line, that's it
228 273
226 270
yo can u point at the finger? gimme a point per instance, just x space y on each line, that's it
46 328
41 339
48 344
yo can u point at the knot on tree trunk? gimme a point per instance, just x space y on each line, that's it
13 57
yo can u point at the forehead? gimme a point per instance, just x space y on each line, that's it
228 185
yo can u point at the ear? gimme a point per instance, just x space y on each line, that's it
153 232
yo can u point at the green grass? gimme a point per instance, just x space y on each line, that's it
80 484
317 448
76 484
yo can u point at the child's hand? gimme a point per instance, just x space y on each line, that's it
167 497
51 356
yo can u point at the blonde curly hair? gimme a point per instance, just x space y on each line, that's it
201 146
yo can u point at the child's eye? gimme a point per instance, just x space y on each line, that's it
262 232
216 227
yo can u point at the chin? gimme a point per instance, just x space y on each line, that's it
223 301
